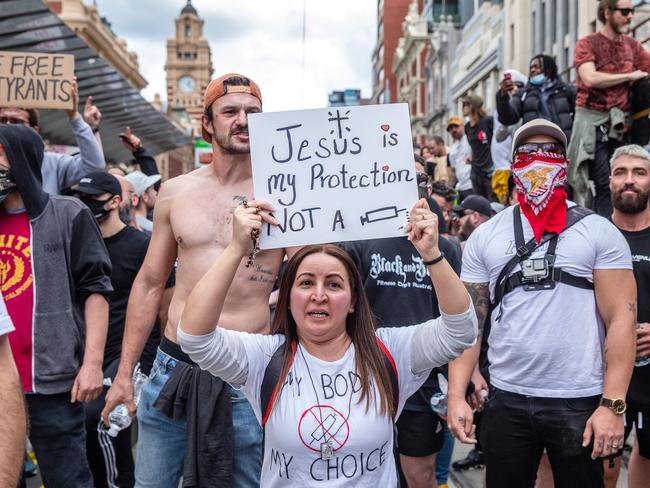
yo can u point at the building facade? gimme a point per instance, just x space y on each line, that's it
346 98
445 30
390 14
546 27
188 68
96 31
409 67
477 60
553 27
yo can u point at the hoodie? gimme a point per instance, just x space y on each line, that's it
68 262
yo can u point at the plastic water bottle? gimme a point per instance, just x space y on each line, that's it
119 418
438 400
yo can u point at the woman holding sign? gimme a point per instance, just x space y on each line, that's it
324 383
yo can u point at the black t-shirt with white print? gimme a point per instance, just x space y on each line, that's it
400 291
638 394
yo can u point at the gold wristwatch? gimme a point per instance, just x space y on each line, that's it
617 405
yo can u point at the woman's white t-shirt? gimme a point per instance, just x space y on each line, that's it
319 403
319 400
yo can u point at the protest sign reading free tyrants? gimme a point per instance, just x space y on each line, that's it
36 80
334 174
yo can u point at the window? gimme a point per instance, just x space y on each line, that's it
542 29
534 33
553 16
188 29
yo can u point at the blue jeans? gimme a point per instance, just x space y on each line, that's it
160 452
443 459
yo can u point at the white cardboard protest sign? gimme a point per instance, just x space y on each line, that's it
36 80
334 174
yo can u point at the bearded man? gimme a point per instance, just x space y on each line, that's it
629 183
191 425
558 282
607 63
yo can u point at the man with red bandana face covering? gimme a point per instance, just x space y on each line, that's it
539 171
558 282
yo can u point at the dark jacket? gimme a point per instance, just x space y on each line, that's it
69 263
526 104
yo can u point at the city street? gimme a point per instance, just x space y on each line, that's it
271 241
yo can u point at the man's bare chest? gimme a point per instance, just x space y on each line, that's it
204 219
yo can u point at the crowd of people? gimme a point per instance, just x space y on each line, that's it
509 316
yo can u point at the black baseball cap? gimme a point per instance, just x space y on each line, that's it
99 182
475 203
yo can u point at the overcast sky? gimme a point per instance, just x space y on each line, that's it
261 39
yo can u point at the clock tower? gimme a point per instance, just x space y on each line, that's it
188 67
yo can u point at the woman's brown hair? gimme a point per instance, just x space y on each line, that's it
360 326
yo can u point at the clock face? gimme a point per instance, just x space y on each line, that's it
187 84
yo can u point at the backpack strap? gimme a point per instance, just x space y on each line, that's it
391 367
271 381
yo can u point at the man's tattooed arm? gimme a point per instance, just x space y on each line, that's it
480 295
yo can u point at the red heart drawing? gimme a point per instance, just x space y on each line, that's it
385 167
385 127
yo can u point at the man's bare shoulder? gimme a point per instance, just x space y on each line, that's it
179 184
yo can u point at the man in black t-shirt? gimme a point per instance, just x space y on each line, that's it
110 459
400 294
629 184
479 131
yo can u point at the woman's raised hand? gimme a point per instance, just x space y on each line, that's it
422 230
247 223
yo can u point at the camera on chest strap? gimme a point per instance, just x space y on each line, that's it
537 273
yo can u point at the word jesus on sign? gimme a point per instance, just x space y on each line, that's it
334 174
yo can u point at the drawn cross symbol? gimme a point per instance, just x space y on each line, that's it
338 119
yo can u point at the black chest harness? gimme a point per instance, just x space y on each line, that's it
537 273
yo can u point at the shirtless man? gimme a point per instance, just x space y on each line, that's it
192 222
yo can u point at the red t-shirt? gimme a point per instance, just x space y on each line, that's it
16 280
622 55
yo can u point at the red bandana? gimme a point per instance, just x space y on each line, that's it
539 178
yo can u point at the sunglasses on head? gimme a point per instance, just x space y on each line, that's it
624 11
533 147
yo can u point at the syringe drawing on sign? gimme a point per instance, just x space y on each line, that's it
321 430
380 214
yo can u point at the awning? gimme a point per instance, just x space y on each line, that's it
29 25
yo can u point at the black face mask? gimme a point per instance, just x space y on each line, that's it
7 183
96 207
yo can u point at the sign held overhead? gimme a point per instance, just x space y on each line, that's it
36 80
334 174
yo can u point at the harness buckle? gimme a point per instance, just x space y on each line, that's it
522 251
